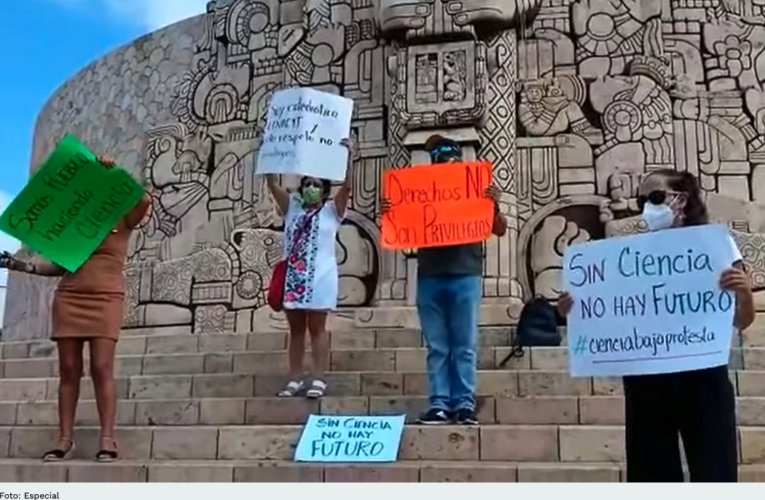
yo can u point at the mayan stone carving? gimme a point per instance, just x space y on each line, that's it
573 101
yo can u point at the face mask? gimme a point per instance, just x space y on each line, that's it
311 195
445 153
658 217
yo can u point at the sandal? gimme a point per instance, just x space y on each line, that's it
317 389
291 389
63 451
108 451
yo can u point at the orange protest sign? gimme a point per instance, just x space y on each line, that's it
437 205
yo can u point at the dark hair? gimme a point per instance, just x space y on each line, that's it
438 140
326 187
433 141
695 211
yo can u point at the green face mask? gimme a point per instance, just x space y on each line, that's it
311 195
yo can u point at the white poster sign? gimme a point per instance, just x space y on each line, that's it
650 303
303 133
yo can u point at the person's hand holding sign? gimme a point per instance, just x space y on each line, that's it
492 192
385 206
565 304
343 195
499 227
142 211
352 148
736 280
107 161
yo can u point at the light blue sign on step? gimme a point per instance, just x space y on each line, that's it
350 439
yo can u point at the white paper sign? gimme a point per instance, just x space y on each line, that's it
650 303
303 133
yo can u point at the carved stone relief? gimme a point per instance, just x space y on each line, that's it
215 236
573 101
648 85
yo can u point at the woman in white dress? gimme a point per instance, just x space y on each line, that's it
311 222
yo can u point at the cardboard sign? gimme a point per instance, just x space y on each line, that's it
303 133
650 303
350 439
70 204
437 205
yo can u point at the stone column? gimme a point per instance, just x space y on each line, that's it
498 145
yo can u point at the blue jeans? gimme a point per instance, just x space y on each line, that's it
448 307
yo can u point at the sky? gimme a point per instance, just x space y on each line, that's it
47 41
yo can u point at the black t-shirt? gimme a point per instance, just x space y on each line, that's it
456 259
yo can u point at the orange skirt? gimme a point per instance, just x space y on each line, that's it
87 315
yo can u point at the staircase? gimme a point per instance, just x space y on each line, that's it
202 408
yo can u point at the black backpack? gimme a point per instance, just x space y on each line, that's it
537 327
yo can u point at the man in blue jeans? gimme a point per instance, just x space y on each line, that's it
449 294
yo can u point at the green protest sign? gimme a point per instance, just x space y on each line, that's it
70 205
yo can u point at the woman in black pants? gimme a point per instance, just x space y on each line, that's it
698 405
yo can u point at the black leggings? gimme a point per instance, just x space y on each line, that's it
700 406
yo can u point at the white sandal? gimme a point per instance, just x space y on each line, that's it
291 389
317 389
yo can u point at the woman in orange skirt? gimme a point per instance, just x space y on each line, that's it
88 307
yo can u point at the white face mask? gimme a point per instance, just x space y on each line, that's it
658 217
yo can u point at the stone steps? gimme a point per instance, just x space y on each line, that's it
512 443
203 406
537 410
259 471
505 383
262 471
262 341
277 341
371 360
541 443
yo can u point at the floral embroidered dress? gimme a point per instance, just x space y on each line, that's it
311 281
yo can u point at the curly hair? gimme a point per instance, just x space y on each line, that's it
695 212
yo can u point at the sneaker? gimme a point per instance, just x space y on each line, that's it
434 416
466 416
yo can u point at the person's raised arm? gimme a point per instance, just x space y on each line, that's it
343 195
138 212
281 196
736 280
499 224
36 267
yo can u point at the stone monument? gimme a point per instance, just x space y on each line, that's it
571 100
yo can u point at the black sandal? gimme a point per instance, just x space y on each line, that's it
105 455
60 453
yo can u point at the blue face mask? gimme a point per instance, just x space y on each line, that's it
445 153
